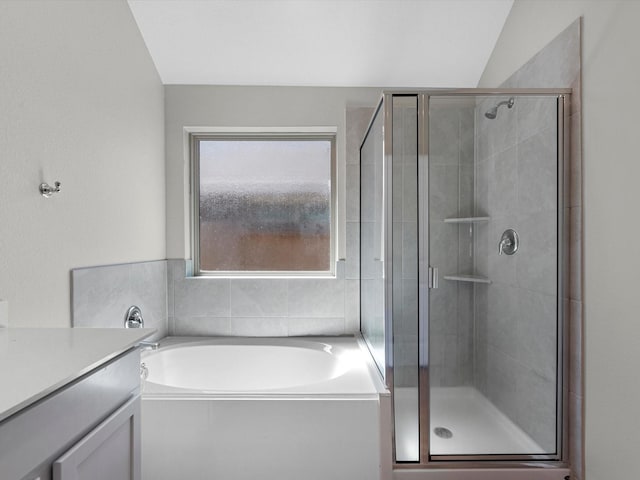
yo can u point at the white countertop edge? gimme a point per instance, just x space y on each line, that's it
129 338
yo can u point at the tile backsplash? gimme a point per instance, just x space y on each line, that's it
100 296
257 306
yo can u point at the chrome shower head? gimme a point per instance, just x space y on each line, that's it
493 112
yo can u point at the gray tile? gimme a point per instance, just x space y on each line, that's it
410 193
352 261
537 173
443 192
443 308
535 114
258 327
537 408
481 312
409 250
409 300
556 65
481 248
502 318
502 384
536 265
444 133
436 348
258 297
316 298
101 295
175 272
352 306
483 172
443 249
466 206
452 370
149 290
372 306
467 135
353 193
503 184
370 253
201 326
480 368
202 297
370 188
537 339
316 326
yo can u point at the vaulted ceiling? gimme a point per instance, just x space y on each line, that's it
382 43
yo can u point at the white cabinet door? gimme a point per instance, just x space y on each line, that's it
110 452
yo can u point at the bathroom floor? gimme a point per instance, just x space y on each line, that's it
473 425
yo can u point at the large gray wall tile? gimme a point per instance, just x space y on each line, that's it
102 295
200 296
258 297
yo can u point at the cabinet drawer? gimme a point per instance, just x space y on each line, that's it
43 431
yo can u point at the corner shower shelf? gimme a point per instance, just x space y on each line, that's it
466 219
459 277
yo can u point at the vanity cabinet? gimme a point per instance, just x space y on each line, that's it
111 451
88 429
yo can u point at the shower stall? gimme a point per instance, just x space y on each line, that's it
462 271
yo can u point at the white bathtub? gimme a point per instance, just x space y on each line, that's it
239 408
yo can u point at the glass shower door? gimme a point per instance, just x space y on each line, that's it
494 208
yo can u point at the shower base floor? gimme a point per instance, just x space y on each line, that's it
476 425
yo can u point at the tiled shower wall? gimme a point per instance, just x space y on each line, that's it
516 340
451 155
515 372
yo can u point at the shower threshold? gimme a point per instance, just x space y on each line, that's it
472 424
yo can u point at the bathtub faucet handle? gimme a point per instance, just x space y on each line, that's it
133 318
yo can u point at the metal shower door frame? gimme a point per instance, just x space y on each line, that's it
468 461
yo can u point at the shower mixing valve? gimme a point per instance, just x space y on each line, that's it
508 242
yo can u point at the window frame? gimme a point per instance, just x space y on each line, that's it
195 136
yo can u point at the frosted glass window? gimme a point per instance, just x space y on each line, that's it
264 204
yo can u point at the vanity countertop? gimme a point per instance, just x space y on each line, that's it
35 362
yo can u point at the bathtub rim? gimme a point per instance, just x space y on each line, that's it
368 376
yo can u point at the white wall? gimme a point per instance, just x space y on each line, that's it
214 106
611 169
80 102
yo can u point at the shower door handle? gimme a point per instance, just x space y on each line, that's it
433 277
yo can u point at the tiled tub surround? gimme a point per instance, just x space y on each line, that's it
272 307
100 296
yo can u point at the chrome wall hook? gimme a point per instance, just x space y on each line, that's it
47 190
